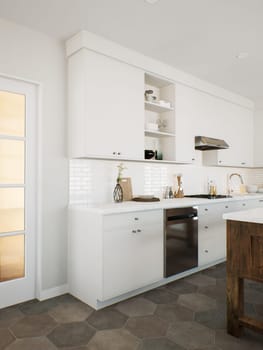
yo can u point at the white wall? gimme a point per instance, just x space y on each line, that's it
33 56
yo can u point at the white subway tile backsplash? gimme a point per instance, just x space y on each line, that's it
93 181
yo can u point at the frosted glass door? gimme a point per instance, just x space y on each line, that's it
17 213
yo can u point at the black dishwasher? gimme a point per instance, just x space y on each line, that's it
180 240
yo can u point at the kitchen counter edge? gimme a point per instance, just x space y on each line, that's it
131 206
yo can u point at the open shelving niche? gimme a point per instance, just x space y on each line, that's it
163 139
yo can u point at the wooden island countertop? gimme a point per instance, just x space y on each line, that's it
244 261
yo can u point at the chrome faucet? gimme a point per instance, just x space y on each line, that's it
230 177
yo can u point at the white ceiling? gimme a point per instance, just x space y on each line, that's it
201 37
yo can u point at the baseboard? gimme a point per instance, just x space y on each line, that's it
53 292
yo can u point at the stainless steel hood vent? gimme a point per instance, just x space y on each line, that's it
203 143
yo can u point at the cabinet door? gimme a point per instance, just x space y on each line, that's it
132 257
185 123
106 107
234 124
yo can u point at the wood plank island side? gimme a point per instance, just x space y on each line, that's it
244 261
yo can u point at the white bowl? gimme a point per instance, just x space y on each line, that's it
252 188
152 126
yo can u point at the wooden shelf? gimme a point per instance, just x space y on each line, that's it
153 133
155 107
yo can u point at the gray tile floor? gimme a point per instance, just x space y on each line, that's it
186 314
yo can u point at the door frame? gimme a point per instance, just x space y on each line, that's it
37 141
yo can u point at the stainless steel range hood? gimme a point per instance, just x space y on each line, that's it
204 143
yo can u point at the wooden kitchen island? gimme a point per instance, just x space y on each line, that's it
244 261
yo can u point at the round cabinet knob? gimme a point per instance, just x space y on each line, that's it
206 227
119 153
136 219
244 204
220 161
133 231
113 153
206 250
206 209
193 159
226 206
243 163
139 230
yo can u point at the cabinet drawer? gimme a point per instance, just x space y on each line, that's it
211 249
133 220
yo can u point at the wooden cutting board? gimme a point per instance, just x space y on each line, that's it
126 186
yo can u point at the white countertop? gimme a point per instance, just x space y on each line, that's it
254 215
114 208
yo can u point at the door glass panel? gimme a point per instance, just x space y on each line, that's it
11 162
12 114
11 209
12 257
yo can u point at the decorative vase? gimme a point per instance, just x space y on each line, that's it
118 193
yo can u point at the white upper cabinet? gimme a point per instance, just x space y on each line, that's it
186 121
234 124
201 114
106 107
258 139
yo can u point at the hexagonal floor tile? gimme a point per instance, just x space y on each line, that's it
159 344
9 316
117 339
35 307
191 335
136 307
197 302
71 334
33 326
200 280
226 341
215 319
253 296
71 312
6 338
173 313
147 326
181 286
217 292
161 296
41 343
218 271
108 318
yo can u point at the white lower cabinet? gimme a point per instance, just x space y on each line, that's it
212 230
132 258
110 255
